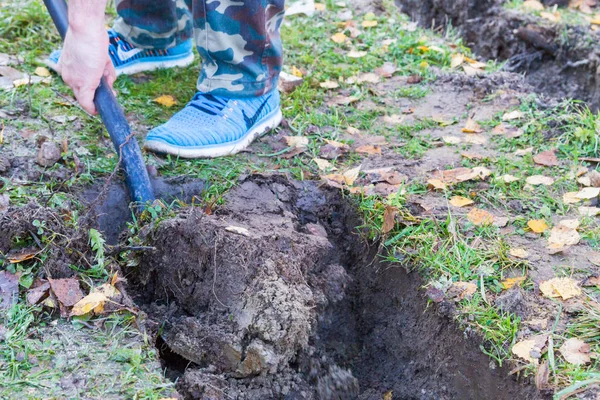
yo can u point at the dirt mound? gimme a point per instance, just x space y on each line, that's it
276 295
557 60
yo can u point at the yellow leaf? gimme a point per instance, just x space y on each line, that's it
165 100
324 165
533 5
459 201
339 37
519 253
296 141
107 290
388 395
571 198
510 282
537 225
523 350
471 127
369 24
296 72
368 149
91 302
512 115
457 60
565 288
41 71
437 184
320 7
351 175
480 217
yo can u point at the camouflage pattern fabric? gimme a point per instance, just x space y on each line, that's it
238 40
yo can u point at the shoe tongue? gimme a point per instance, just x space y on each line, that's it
209 98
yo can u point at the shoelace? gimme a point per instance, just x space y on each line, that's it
208 103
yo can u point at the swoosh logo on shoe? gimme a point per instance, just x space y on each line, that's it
125 55
252 120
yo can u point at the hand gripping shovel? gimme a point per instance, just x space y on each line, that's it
136 175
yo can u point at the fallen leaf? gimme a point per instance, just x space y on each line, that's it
329 85
9 289
324 165
389 219
570 223
507 178
369 24
511 116
588 193
288 82
500 222
533 5
457 60
17 256
510 282
451 139
352 130
392 177
554 17
351 175
472 127
339 37
41 71
356 54
368 77
459 201
461 290
471 156
368 149
480 217
393 119
522 152
594 258
519 253
386 70
67 291
342 100
563 236
296 141
107 290
537 225
571 198
585 181
546 158
530 349
36 294
542 375
589 211
565 288
575 351
238 230
165 100
92 302
475 139
535 180
436 184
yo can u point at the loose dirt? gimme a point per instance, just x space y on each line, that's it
278 294
558 60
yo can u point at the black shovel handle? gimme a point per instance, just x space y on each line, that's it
132 162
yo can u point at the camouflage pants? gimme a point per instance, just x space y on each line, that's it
238 41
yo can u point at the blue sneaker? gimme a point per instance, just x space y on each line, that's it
214 126
129 59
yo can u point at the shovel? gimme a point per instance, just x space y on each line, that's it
136 175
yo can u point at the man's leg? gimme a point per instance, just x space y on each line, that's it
147 35
238 100
153 24
240 45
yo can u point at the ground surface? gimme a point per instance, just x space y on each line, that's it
399 151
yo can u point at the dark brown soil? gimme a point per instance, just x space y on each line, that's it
559 61
295 305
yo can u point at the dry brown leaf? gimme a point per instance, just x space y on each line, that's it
436 184
537 225
329 85
588 193
575 351
324 165
459 201
288 82
507 178
457 60
389 219
165 100
554 17
461 290
296 141
451 139
531 349
480 217
41 71
510 282
67 291
535 180
511 116
542 376
339 37
475 139
565 288
368 149
472 127
588 211
471 156
522 152
92 302
563 236
546 158
519 253
386 70
342 100
570 223
533 5
394 119
17 256
571 198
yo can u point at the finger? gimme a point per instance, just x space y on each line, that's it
85 97
110 74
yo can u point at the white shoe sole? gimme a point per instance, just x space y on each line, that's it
143 66
217 150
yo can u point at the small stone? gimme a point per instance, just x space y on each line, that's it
4 163
49 154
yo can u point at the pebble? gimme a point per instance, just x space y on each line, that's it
49 154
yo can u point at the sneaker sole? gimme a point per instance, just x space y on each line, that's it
217 150
143 66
